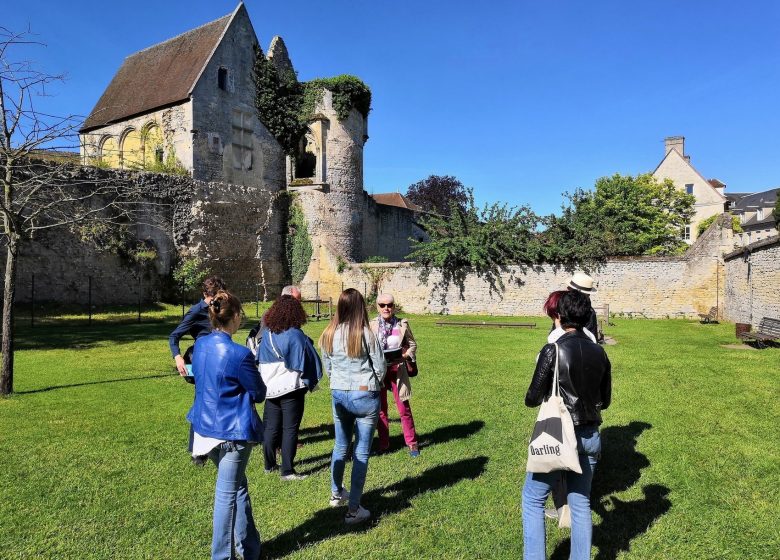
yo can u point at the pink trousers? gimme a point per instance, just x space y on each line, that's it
404 411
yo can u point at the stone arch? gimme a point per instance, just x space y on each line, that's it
131 148
108 152
152 144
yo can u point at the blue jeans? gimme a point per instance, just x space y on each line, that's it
538 486
234 527
351 408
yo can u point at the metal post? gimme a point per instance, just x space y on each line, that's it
140 285
89 302
32 302
365 290
257 301
317 298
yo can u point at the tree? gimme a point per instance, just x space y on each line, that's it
485 240
623 215
42 192
437 192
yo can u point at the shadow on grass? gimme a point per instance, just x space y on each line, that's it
317 433
436 437
329 523
83 338
53 387
619 469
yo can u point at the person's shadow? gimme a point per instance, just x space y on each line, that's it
315 463
619 469
329 523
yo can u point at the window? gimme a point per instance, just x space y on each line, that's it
687 233
242 140
222 75
760 214
689 188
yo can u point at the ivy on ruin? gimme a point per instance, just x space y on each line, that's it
298 248
285 106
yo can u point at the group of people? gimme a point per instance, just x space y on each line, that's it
363 358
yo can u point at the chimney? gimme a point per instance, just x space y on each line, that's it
674 143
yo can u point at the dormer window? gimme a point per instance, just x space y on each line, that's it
222 78
760 214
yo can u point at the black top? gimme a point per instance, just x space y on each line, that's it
196 323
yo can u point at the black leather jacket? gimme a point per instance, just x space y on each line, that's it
585 376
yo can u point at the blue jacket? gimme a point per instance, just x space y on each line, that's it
298 353
227 386
195 323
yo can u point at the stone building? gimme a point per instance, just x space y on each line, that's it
188 102
710 195
756 215
188 105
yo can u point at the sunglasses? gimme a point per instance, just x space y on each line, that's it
383 305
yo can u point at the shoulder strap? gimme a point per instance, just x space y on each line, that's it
556 387
278 355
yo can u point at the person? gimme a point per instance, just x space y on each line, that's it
226 425
290 368
255 335
585 381
394 333
551 309
196 322
583 283
355 364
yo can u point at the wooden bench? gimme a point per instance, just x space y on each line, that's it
602 320
710 317
484 324
768 330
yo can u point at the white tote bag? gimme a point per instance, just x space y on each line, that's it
553 446
277 378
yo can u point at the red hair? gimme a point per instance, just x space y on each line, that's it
551 305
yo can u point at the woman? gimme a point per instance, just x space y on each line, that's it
394 333
585 381
551 309
290 368
355 365
226 425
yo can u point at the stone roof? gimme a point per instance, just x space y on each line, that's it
396 199
158 76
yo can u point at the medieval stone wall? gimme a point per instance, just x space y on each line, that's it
753 283
652 287
236 230
387 231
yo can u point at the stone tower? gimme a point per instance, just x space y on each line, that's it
334 202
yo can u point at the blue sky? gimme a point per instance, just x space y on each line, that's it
520 100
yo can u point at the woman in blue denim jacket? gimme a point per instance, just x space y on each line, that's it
226 425
355 364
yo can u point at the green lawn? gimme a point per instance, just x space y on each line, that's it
93 461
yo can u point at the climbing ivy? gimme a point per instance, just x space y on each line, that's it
297 244
285 105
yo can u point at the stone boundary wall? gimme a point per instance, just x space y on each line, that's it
654 287
237 230
753 282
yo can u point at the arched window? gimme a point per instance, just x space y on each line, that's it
108 153
153 145
306 158
132 149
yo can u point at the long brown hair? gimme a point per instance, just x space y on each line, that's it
350 311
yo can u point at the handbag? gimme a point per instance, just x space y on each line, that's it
553 445
411 368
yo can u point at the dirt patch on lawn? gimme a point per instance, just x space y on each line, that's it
738 347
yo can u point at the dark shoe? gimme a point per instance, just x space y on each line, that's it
271 470
200 460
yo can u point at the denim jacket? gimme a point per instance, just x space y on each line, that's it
227 387
354 374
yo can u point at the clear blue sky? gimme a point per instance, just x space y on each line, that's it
521 100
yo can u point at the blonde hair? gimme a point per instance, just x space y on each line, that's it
350 311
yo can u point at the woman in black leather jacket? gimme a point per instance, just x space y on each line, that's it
585 381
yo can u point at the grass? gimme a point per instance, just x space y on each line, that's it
93 461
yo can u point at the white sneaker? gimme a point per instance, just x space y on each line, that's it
551 513
340 498
294 476
360 515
